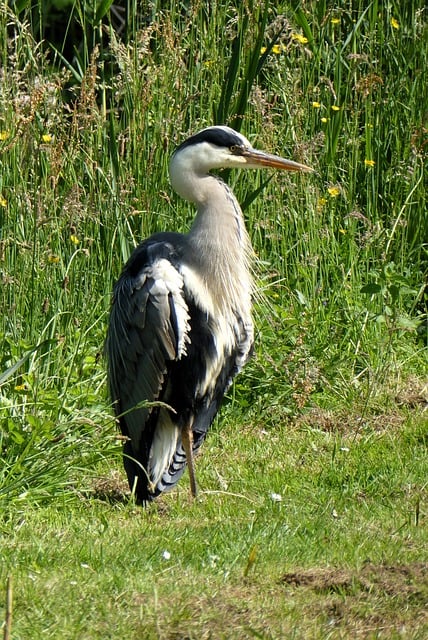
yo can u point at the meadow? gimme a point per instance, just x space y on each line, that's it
312 517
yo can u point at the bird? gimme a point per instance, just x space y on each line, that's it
180 326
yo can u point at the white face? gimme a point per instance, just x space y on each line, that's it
203 156
206 156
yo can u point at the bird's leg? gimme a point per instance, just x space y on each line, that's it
187 440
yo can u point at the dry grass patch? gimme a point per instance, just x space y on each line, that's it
377 601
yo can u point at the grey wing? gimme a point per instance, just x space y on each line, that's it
149 327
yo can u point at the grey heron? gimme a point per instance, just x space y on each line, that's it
181 326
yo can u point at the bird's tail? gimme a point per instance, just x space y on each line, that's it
178 464
201 424
164 446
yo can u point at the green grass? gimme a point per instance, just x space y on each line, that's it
329 413
340 552
322 537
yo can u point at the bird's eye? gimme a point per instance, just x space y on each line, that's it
235 149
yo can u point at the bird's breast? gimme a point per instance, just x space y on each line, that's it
221 333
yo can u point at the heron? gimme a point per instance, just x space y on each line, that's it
180 326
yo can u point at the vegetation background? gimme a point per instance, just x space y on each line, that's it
312 518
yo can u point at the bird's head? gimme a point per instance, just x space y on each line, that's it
220 147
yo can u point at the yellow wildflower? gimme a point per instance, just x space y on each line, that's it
334 107
324 120
74 239
276 49
46 137
316 105
333 192
335 21
21 387
369 163
320 203
3 201
299 38
395 24
4 135
53 259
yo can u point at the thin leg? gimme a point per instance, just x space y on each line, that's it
187 440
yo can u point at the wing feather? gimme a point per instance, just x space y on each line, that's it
149 327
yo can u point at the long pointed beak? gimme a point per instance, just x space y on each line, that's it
256 159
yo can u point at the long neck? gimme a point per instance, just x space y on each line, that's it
221 244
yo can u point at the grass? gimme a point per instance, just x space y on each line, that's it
311 522
266 551
324 537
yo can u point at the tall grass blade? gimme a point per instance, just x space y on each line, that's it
10 371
